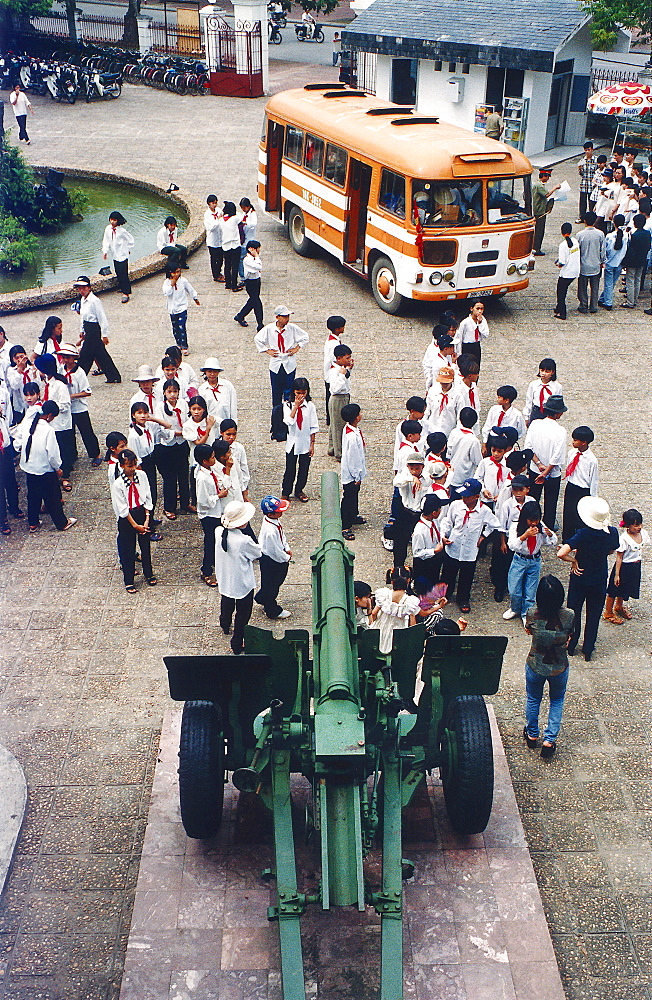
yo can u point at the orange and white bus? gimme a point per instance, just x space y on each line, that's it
423 209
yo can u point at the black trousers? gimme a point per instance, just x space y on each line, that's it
405 521
584 204
581 592
231 264
127 538
82 422
252 287
172 461
462 572
94 350
209 526
550 490
21 121
66 442
430 569
563 285
216 255
121 268
272 578
148 465
45 490
539 230
293 479
474 350
282 383
349 506
8 484
500 563
328 396
570 518
243 607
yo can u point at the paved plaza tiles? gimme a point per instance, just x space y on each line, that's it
82 685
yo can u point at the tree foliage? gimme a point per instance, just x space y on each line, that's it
18 249
609 15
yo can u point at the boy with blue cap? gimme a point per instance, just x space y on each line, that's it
275 560
465 523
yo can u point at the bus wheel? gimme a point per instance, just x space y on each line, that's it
383 286
297 233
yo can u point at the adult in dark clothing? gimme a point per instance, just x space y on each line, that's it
588 579
635 260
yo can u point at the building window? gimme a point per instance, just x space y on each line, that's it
466 68
437 65
404 81
503 83
452 67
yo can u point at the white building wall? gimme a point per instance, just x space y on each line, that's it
578 49
536 86
384 77
434 93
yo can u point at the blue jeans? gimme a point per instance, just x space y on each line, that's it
522 583
610 279
178 321
243 254
534 685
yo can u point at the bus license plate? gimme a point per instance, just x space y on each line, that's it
481 293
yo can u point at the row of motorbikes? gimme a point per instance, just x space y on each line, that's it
62 80
306 30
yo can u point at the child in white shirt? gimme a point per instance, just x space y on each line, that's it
540 390
416 408
335 326
228 433
443 403
178 291
503 413
300 417
413 440
353 469
471 331
581 477
464 450
275 559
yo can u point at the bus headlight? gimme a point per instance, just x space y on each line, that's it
511 269
522 268
449 275
436 278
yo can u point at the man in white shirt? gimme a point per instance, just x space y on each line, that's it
40 460
94 332
213 227
281 341
547 439
21 105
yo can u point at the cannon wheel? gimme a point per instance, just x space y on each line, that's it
467 764
201 769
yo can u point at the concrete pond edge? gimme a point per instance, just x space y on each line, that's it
194 235
13 803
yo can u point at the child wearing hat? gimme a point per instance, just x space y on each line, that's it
94 329
492 471
275 559
300 418
132 503
503 413
427 546
56 387
281 341
581 478
146 393
410 487
178 291
443 402
466 521
80 390
219 393
547 439
335 326
464 451
40 460
439 354
235 553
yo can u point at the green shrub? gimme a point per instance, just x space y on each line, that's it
78 201
18 248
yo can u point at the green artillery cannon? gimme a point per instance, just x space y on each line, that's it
340 720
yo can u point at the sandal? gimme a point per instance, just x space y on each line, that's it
547 749
348 535
97 371
33 528
95 464
151 581
66 485
5 529
170 516
301 497
613 618
626 613
130 589
191 508
210 581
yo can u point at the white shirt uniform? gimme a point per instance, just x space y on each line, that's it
585 473
230 232
569 258
510 418
329 353
443 408
521 547
425 537
15 383
547 439
91 310
339 381
469 396
177 418
432 363
299 437
537 394
271 338
509 510
184 379
466 333
239 456
213 227
165 238
252 267
118 242
222 400
4 356
5 403
192 430
209 504
234 569
44 454
410 493
143 444
353 467
59 392
124 499
150 399
464 454
404 448
77 382
463 527
249 220
273 540
492 475
632 551
177 298
19 102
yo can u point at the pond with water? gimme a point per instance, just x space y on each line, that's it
76 249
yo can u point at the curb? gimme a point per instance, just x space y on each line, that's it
194 235
12 809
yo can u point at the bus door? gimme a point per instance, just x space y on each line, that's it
359 182
275 138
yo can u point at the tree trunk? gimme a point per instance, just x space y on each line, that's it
131 25
72 23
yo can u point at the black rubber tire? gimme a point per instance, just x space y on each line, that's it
114 90
201 769
469 783
275 37
297 233
319 35
71 97
391 302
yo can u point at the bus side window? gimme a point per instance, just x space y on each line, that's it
313 155
392 193
294 144
335 168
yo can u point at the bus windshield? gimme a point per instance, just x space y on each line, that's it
447 203
508 200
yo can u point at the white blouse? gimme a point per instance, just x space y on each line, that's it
234 569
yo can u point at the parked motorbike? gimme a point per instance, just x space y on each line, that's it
274 33
309 32
32 76
8 71
62 83
94 85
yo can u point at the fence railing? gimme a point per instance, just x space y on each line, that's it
50 24
107 30
603 77
176 39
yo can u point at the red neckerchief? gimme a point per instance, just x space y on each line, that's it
444 401
300 417
147 435
172 237
499 470
545 390
471 397
46 392
214 478
501 417
133 497
477 334
416 487
68 376
572 465
281 341
531 543
178 413
465 430
214 388
150 400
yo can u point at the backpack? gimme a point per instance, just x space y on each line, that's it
278 430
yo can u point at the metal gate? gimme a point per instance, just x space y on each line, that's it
234 57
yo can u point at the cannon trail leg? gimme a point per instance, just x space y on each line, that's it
391 898
290 904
